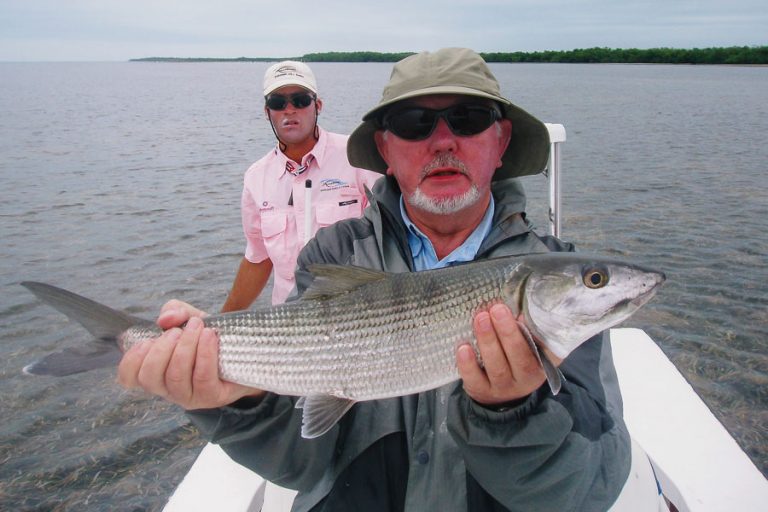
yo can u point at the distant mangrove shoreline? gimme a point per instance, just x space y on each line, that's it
734 55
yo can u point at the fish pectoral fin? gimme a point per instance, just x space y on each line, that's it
320 413
554 375
332 280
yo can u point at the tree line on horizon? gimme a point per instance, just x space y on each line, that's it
727 55
743 55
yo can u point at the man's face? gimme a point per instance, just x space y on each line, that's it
445 173
293 125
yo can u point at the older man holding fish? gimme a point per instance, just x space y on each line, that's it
498 439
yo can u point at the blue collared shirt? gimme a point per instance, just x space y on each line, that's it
423 252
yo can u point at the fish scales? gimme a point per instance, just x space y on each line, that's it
387 338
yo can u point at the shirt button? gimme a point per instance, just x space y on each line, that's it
422 457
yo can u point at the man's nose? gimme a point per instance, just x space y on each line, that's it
442 138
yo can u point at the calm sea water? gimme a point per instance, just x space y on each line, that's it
122 181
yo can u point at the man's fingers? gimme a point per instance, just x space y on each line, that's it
175 312
491 348
517 352
130 364
174 304
473 376
510 370
178 375
210 390
152 373
205 378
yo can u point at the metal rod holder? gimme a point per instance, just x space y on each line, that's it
556 137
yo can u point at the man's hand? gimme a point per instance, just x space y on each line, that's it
182 365
510 370
175 312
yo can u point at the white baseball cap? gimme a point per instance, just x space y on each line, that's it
289 72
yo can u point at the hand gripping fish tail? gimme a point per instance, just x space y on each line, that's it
359 334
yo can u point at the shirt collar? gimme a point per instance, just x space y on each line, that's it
317 153
423 252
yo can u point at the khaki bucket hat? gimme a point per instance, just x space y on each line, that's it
453 71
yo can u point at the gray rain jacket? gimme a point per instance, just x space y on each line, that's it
569 452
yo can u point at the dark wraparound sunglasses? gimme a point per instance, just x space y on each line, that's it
418 123
298 100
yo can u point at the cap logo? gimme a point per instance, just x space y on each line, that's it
287 70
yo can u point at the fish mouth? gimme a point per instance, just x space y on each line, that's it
643 296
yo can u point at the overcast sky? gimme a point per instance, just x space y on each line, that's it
116 30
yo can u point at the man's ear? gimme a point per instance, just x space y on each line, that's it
505 136
380 137
319 104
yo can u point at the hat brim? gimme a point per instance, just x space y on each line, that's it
442 89
527 153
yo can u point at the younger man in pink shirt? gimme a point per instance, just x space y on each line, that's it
306 161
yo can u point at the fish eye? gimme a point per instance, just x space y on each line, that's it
595 277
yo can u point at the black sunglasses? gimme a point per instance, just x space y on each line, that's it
298 100
418 123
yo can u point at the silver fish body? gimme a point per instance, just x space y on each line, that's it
360 335
391 337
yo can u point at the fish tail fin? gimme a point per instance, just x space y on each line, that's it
103 322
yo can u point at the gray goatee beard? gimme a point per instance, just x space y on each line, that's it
444 205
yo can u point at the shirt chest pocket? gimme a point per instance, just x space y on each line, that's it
280 245
273 224
343 204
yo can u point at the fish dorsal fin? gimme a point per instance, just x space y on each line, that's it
320 413
332 280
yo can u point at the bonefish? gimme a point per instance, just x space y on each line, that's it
359 334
